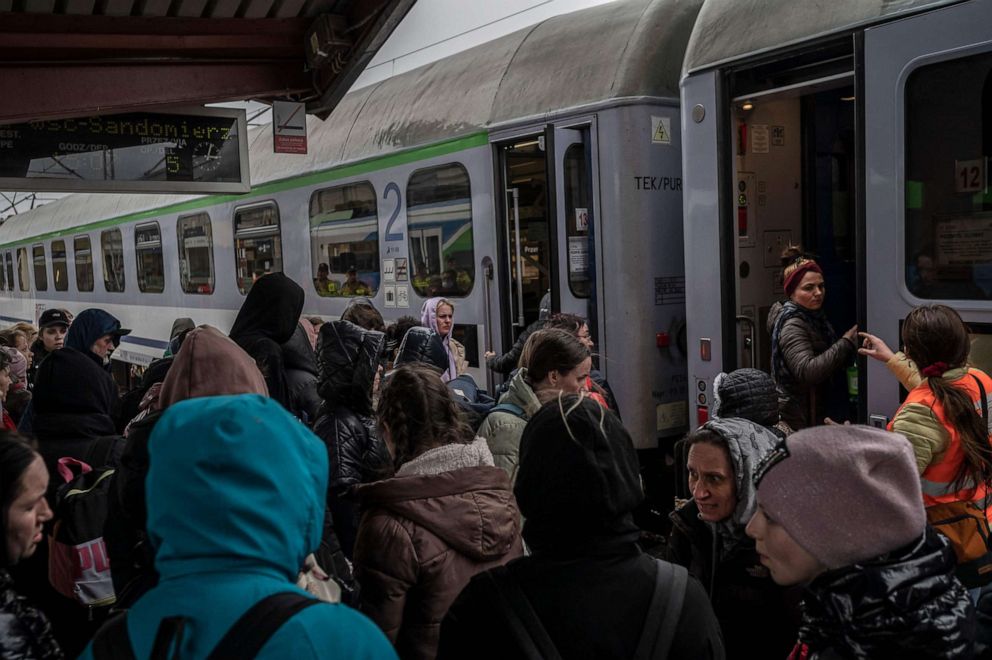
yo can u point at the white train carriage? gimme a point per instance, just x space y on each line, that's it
859 129
547 159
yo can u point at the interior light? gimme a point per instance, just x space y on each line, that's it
847 98
747 105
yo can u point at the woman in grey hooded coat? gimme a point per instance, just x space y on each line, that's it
757 617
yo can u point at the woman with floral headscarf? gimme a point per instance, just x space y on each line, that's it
438 314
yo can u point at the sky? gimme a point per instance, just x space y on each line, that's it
433 29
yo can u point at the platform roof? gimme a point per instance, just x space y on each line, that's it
65 58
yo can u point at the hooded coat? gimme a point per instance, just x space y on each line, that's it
588 582
73 402
236 528
422 344
300 362
723 558
209 364
25 633
447 515
267 320
502 430
906 604
88 326
349 359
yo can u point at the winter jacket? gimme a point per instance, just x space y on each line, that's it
73 402
723 558
590 599
744 597
447 515
25 633
88 326
421 344
39 353
348 358
906 604
502 430
810 363
235 493
133 402
267 319
209 364
300 363
507 362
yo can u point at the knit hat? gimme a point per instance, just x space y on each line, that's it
846 494
793 273
578 467
747 393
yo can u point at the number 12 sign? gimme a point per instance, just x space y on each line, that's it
969 175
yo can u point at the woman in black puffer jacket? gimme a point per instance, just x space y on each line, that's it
348 361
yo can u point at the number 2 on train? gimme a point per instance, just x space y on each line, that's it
392 187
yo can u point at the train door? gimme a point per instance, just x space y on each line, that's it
782 149
546 226
928 121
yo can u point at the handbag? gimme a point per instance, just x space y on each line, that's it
966 526
316 582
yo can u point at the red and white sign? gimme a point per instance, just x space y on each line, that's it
289 128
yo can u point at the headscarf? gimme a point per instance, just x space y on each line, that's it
18 368
428 317
794 272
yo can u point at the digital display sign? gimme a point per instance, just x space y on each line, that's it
204 150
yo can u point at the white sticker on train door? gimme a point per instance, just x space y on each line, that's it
661 130
402 296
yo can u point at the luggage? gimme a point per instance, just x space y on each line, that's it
78 566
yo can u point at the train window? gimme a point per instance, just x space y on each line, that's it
196 254
23 274
112 247
577 218
257 244
40 267
60 267
10 272
148 256
439 221
344 241
949 218
83 255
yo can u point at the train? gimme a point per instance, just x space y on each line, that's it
645 161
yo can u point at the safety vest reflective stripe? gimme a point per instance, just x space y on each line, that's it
937 480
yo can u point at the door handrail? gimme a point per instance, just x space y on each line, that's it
754 343
520 264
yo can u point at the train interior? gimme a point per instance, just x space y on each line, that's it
794 184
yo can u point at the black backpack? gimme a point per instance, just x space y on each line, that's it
660 624
243 640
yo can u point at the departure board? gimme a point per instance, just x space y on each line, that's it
201 151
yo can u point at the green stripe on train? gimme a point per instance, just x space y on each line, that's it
333 174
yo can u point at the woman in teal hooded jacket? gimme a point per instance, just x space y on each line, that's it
235 494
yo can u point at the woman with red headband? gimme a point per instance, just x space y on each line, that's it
808 360
945 416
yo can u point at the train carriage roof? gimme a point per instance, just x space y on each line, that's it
728 30
627 48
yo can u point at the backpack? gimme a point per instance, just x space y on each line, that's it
657 635
78 565
243 640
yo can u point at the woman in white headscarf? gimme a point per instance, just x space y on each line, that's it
438 314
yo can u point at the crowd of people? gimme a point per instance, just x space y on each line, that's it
343 488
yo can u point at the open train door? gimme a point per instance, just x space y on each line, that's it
927 91
570 175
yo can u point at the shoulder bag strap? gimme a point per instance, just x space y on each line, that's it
664 611
256 626
524 623
171 628
112 642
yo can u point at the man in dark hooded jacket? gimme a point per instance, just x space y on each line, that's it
587 582
95 333
267 320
